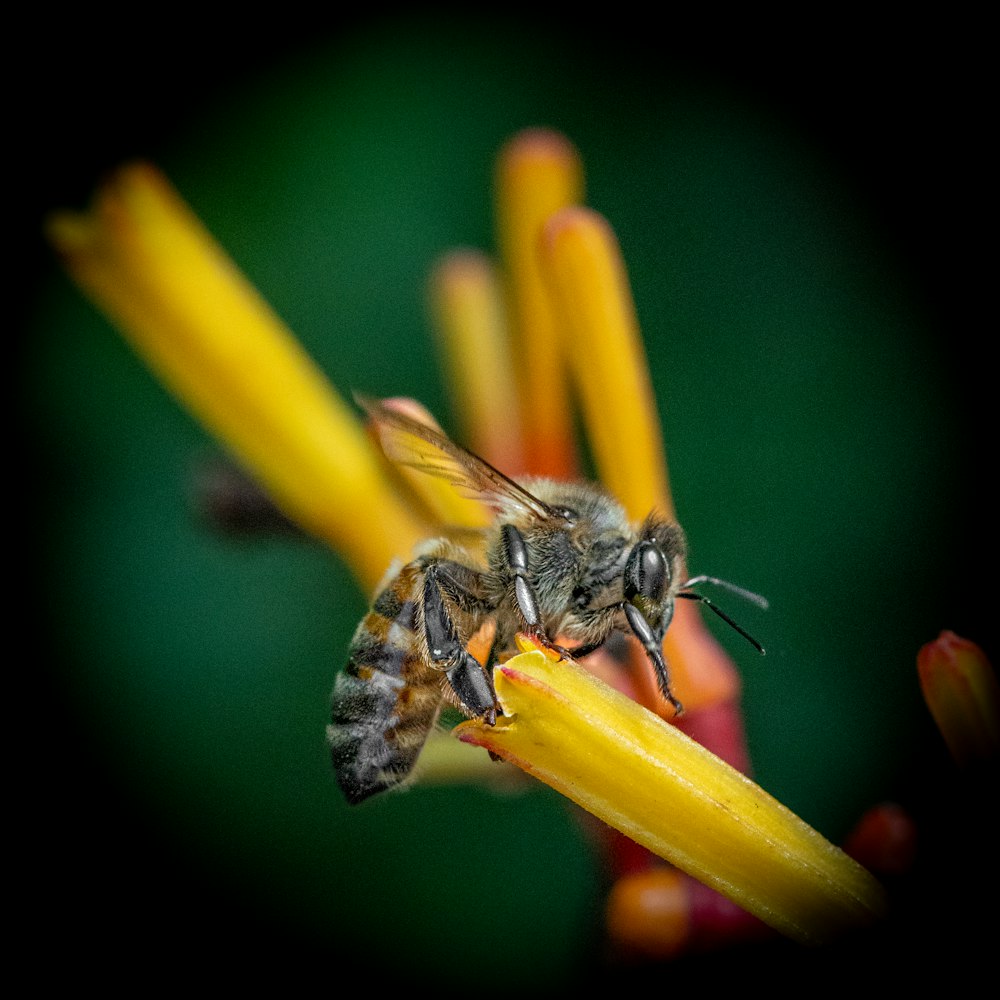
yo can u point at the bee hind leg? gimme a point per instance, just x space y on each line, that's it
474 688
468 678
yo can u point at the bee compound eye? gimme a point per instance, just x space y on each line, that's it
655 572
646 572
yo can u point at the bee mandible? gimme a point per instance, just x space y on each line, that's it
559 560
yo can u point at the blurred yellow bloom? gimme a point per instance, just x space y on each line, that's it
588 279
146 260
538 172
469 316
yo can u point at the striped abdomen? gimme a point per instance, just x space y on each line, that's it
387 699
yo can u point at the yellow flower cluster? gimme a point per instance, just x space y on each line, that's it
143 257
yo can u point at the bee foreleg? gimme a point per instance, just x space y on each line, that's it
466 675
653 645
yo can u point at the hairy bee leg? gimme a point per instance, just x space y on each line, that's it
468 678
653 645
474 688
517 561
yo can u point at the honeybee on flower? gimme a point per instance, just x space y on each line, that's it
560 560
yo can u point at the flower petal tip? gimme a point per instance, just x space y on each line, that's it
540 144
962 693
578 221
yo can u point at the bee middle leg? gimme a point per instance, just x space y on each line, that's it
469 679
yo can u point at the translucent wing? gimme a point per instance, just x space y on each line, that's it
409 442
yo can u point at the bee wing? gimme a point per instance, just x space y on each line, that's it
410 442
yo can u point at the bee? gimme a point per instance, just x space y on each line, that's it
558 560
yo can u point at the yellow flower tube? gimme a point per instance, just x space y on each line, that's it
608 360
538 173
470 323
645 778
588 281
147 261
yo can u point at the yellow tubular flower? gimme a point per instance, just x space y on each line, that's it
538 173
608 360
645 778
144 258
467 306
588 280
963 695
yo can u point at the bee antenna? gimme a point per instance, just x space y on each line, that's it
722 614
747 595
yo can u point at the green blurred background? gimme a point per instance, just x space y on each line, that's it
798 224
